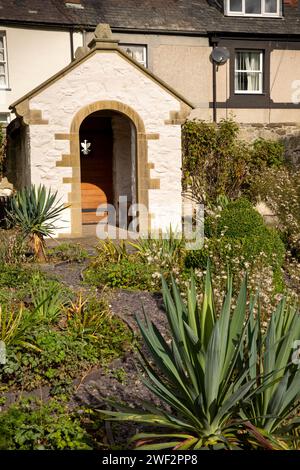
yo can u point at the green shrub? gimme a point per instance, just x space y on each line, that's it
48 298
72 252
214 160
63 351
280 190
239 219
226 379
115 267
34 425
130 273
13 275
267 153
241 240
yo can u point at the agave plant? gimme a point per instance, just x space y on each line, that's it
226 384
270 361
197 373
35 211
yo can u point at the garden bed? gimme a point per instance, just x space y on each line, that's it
54 368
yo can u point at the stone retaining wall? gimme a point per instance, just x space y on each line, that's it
288 133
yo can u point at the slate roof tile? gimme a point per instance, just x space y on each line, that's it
194 16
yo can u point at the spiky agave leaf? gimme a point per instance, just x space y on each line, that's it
35 211
188 373
215 372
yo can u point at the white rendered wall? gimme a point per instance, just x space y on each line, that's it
109 76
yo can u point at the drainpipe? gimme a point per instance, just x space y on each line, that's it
72 45
84 38
214 84
214 92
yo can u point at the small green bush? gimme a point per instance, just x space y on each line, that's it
63 354
239 219
129 273
240 240
267 153
279 188
33 425
72 252
217 162
13 275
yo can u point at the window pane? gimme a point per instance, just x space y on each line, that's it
253 6
2 80
4 117
2 69
252 60
1 42
236 5
2 55
138 53
271 6
248 60
248 71
248 81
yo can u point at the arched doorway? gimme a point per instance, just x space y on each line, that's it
107 164
139 148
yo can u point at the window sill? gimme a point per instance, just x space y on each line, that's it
243 15
5 89
249 93
248 100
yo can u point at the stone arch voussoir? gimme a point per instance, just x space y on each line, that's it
73 160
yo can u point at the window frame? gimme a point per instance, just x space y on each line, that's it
4 62
7 120
263 13
247 101
124 45
261 72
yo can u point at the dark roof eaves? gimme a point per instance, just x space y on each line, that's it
72 26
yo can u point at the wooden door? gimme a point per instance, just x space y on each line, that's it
96 167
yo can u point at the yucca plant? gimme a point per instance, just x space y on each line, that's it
35 211
14 327
48 298
226 383
270 361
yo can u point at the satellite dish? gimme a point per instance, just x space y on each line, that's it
220 55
